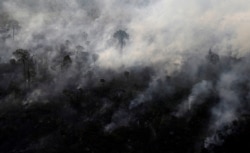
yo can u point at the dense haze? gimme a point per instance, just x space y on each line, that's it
159 30
164 72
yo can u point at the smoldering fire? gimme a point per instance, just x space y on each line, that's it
124 76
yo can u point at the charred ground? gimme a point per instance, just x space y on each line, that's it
133 109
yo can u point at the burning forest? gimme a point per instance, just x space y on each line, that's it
144 76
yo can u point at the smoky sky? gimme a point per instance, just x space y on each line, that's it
159 30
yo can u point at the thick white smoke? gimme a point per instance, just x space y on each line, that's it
162 33
159 30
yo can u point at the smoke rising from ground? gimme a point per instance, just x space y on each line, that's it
173 56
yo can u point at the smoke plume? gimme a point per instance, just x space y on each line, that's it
152 65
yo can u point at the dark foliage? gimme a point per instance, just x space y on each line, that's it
99 118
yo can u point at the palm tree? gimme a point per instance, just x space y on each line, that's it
121 36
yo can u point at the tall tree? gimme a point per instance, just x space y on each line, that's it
66 62
212 57
15 26
8 25
121 36
23 56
